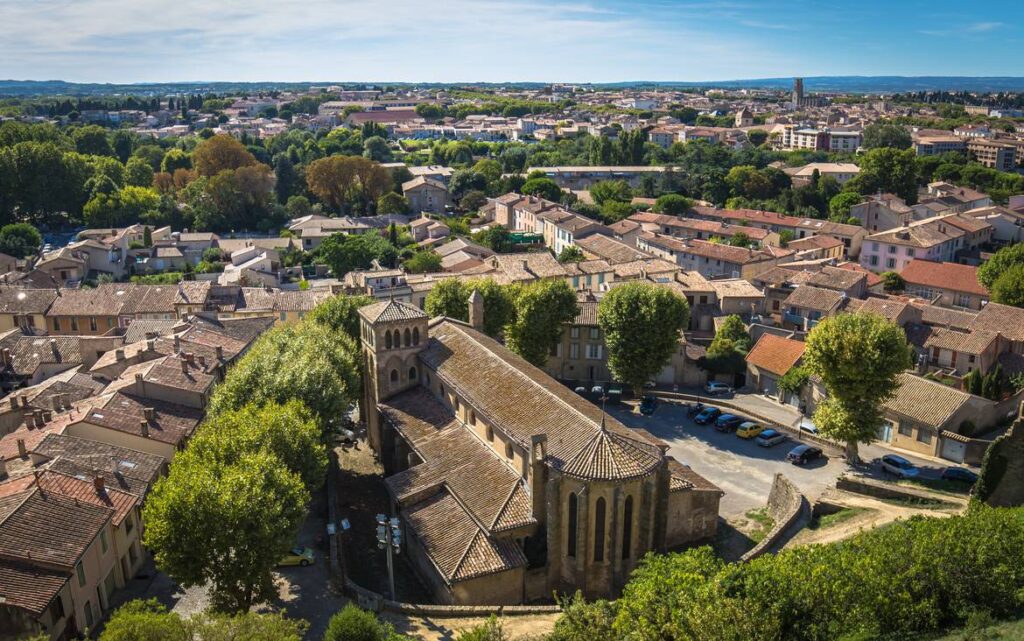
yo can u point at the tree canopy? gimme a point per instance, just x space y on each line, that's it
340 314
20 240
450 298
346 252
1001 261
642 325
858 358
542 309
150 621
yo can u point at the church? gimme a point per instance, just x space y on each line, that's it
510 486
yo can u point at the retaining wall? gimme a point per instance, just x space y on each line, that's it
785 505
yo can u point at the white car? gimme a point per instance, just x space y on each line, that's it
715 387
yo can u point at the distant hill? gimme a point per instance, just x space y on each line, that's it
839 84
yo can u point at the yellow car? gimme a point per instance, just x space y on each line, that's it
298 556
749 429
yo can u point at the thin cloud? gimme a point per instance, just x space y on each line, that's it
982 27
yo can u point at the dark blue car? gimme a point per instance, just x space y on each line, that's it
728 422
961 474
707 415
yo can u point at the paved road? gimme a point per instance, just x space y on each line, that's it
745 470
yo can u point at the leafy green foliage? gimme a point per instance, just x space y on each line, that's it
423 262
308 362
542 309
726 354
642 324
288 431
346 252
1009 287
20 240
793 381
150 621
1000 262
496 238
226 525
355 624
603 191
571 254
340 314
840 204
672 204
857 357
893 282
882 134
489 630
543 187
450 298
844 590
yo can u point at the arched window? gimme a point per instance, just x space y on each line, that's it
394 376
599 531
627 528
408 337
471 419
490 434
397 339
412 373
509 452
570 548
387 340
415 335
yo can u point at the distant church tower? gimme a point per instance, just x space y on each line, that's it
798 91
391 335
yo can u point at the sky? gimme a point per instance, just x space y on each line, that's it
126 41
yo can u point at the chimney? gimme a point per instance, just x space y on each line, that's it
5 356
177 343
149 413
39 418
202 362
184 366
538 471
220 353
24 401
190 357
98 483
144 425
14 402
3 468
22 450
53 346
119 354
150 345
47 416
476 310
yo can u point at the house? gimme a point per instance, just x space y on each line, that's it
771 358
882 212
426 195
591 275
562 229
807 305
818 247
615 251
712 260
91 312
851 235
480 482
25 309
1007 224
949 284
841 172
581 354
252 266
424 230
737 296
939 239
959 352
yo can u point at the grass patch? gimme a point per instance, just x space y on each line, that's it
922 503
981 631
944 486
764 524
823 521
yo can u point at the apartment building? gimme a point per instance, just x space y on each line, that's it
996 155
711 260
938 239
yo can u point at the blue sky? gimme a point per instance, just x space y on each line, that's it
504 40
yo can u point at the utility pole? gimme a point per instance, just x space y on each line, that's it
389 537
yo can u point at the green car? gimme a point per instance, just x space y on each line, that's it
298 556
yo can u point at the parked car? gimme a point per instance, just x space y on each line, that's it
714 388
582 391
899 466
961 474
810 428
614 395
707 415
802 454
648 404
597 391
727 422
749 429
298 556
770 438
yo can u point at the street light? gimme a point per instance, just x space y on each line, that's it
389 537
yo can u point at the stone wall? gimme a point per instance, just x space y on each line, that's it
1002 472
883 490
785 505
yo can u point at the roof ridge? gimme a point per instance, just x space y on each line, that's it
465 553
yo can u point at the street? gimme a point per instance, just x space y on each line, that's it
743 469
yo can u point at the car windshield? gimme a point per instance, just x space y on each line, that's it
768 433
297 551
800 449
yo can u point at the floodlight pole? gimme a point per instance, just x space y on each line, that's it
389 538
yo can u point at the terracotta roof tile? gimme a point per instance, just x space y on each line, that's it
29 588
951 276
776 354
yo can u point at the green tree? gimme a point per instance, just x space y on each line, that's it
355 624
227 526
495 237
1001 261
20 240
423 262
757 137
138 173
603 191
91 140
146 621
174 160
542 187
121 207
308 362
884 134
571 254
727 352
286 180
345 252
340 314
489 630
376 148
893 282
150 621
288 431
219 153
858 357
612 211
450 298
840 205
888 170
584 621
672 204
392 203
642 325
1008 288
473 200
147 236
542 309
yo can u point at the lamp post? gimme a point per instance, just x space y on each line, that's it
389 537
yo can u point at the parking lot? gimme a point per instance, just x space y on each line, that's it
741 468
